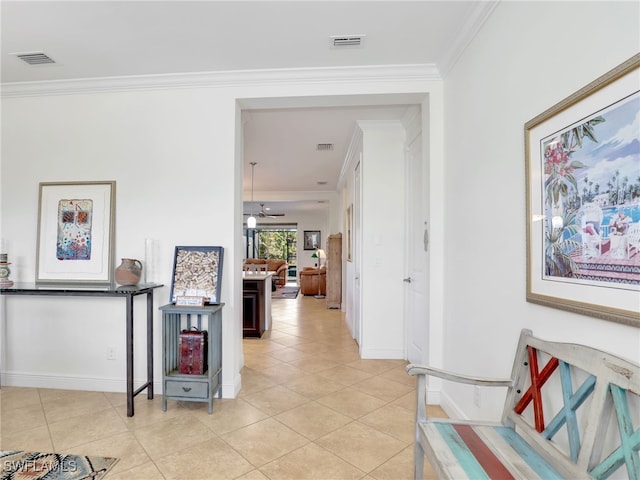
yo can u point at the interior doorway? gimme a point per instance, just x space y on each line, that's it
303 179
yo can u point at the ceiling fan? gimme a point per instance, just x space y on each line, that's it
266 213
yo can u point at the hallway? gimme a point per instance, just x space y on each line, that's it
309 408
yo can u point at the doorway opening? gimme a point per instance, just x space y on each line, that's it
295 173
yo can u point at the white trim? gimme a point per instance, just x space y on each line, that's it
351 159
340 75
232 389
450 407
412 124
434 396
376 353
94 384
72 382
472 25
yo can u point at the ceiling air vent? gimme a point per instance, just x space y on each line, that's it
323 147
338 41
35 58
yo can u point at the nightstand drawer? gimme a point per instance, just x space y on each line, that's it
177 388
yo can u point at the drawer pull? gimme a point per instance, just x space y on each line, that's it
186 389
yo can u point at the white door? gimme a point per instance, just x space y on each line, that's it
416 280
356 253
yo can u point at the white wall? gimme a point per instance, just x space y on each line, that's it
174 151
383 245
166 150
528 57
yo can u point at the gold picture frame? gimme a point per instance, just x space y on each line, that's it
576 259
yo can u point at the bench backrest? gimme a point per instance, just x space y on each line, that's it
579 406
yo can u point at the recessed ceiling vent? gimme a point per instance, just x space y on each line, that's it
324 147
35 58
340 41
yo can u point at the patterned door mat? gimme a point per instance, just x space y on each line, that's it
286 292
52 466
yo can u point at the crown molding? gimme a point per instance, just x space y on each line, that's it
333 75
472 25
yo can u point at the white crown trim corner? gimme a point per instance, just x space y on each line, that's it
333 75
472 25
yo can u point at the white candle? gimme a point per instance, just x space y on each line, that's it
149 271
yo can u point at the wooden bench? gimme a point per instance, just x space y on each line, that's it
569 413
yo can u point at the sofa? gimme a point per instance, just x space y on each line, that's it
309 281
277 266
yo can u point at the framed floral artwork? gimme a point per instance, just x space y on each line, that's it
583 200
75 239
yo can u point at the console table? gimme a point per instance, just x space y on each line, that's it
128 293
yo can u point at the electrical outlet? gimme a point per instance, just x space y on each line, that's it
476 396
111 352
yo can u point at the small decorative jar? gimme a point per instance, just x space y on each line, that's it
5 271
128 272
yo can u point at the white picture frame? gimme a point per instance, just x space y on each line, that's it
76 229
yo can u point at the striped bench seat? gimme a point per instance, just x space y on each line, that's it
485 451
571 412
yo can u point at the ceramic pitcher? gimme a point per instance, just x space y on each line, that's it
128 272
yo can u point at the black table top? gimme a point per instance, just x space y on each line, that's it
27 288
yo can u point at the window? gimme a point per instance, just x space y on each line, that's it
273 241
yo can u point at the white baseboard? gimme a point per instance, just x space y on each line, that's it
96 384
231 389
117 385
433 396
382 354
450 407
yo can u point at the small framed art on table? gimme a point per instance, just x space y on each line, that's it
197 272
75 240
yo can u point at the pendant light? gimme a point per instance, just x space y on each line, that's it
251 221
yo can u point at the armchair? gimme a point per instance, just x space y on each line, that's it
279 269
309 281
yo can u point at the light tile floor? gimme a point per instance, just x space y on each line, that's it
309 408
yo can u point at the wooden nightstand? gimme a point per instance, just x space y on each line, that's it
191 388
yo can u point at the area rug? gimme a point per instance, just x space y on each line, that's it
18 465
286 292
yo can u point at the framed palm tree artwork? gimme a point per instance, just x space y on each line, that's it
583 199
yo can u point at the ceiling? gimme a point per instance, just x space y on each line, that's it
98 39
